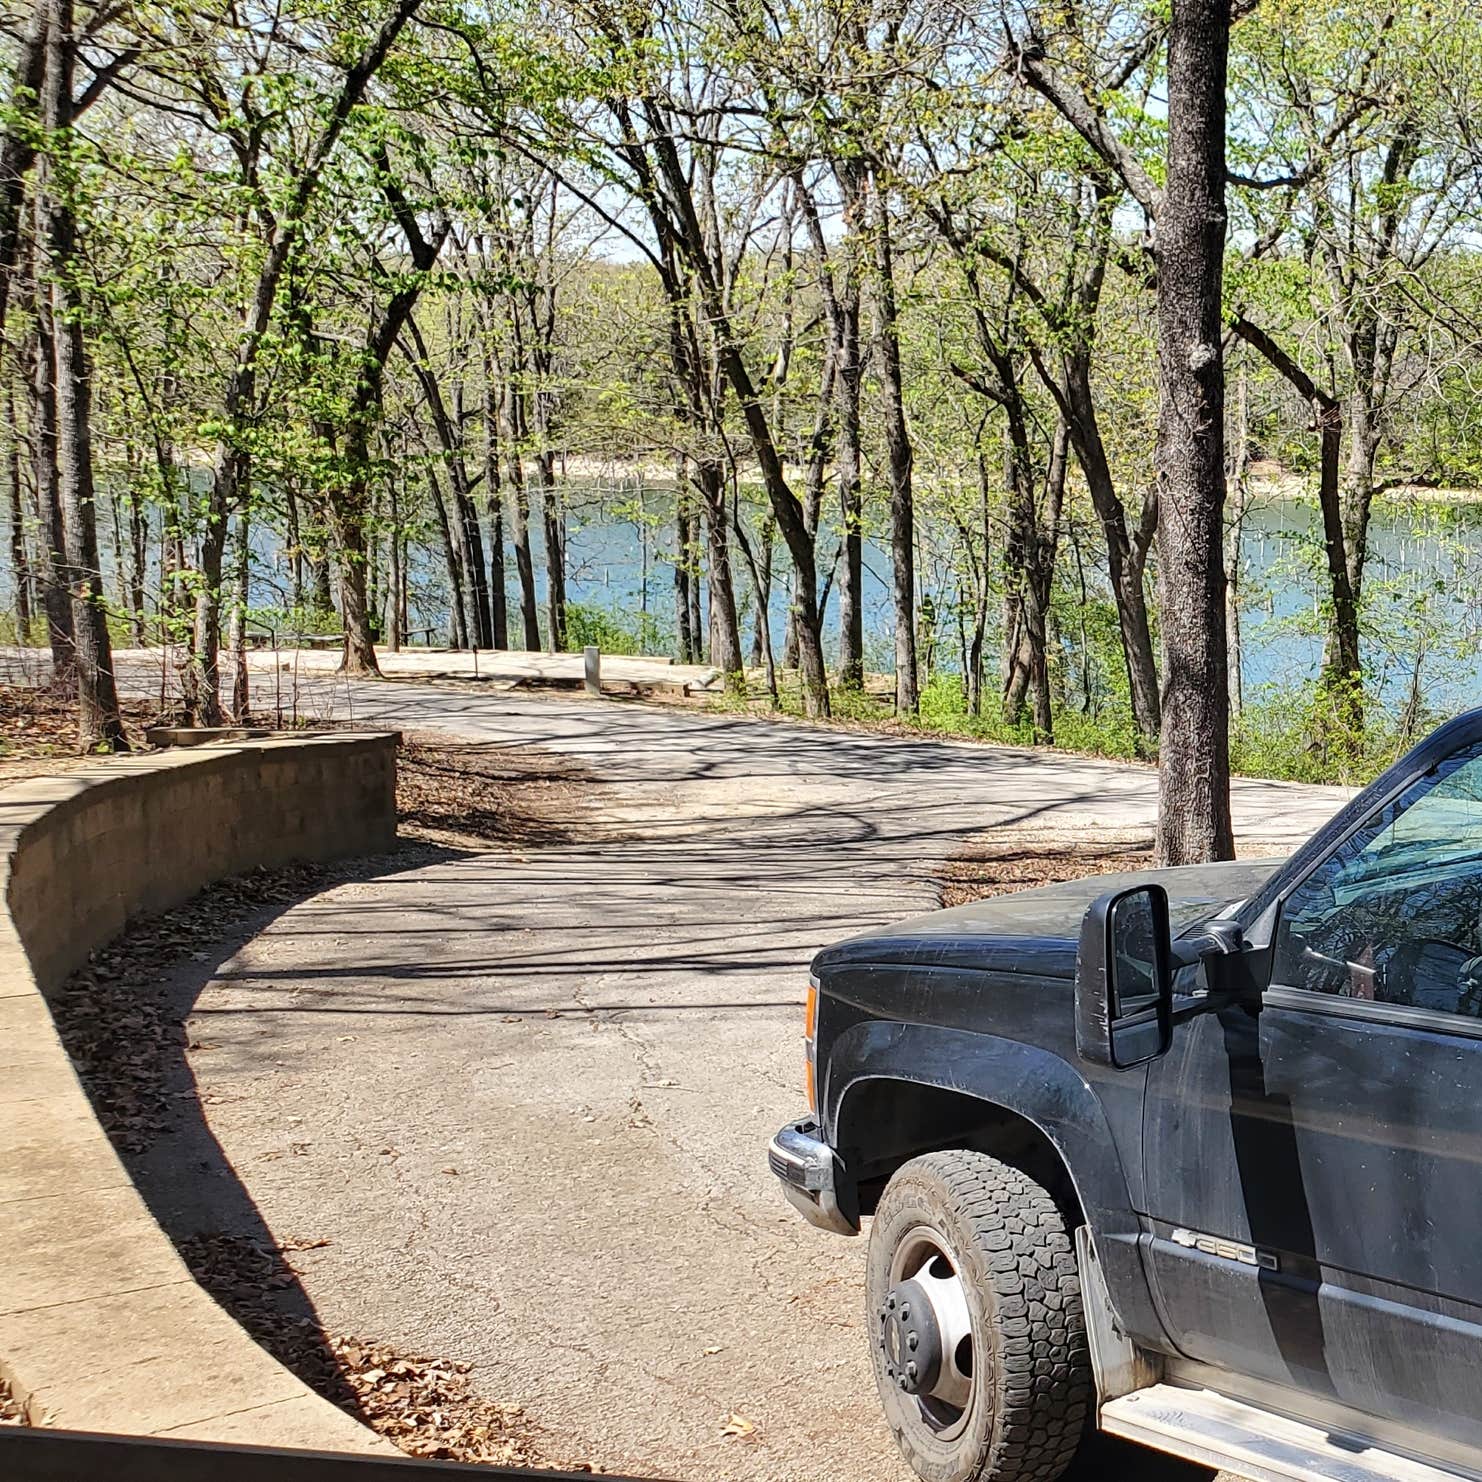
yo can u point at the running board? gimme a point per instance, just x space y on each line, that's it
1202 1426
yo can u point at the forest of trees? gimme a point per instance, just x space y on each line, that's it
361 282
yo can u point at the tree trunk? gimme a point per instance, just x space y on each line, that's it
1343 666
851 506
294 537
524 564
555 552
359 657
788 514
237 622
138 560
1239 457
498 600
375 572
685 635
790 637
352 508
477 622
204 691
320 592
175 606
1125 557
1193 760
471 560
457 611
974 676
761 581
1342 676
1358 486
19 566
99 721
1019 523
51 537
725 629
1040 586
395 628
481 619
1344 660
692 545
899 458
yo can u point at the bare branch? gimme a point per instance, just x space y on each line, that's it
1074 107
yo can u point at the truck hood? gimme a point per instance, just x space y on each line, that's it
1036 931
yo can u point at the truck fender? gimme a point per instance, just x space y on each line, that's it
1045 1090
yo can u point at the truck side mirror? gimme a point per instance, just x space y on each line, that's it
1124 980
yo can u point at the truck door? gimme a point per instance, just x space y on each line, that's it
1313 1165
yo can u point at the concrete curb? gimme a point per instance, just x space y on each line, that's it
102 1327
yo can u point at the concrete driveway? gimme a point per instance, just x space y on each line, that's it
524 1095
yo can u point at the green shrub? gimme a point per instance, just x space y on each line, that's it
627 634
1302 733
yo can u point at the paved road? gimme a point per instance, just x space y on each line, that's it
524 1095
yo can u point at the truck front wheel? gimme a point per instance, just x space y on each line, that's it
976 1331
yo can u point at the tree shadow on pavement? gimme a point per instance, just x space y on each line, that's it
122 1020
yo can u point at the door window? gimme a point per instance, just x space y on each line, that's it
1394 914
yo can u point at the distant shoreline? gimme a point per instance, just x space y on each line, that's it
1270 483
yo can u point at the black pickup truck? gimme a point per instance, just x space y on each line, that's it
1193 1157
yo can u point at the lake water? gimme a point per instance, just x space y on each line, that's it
1423 603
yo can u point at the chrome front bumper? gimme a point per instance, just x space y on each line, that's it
806 1166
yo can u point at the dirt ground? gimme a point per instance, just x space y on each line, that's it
472 795
1004 860
38 731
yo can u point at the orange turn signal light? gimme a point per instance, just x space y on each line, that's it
810 1028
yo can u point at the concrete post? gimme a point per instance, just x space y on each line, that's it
592 669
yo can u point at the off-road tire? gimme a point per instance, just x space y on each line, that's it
1032 1385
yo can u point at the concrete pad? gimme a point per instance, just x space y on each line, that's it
30 1055
307 1422
69 1247
54 1144
500 670
114 1359
21 1079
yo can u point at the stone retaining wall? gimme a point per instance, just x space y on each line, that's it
101 1325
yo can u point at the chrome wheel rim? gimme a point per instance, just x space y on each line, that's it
925 1332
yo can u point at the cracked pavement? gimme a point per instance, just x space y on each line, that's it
525 1095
